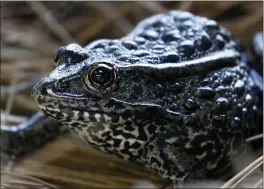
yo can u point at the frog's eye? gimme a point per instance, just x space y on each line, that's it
72 53
101 75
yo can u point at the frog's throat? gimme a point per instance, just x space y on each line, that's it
211 62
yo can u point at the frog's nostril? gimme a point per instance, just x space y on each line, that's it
41 88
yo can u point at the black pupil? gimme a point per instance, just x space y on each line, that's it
101 75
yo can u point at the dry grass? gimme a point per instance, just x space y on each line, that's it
30 34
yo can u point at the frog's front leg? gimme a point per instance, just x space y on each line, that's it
190 157
184 168
27 136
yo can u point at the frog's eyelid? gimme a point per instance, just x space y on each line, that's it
226 58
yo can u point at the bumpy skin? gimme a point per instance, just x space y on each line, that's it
180 100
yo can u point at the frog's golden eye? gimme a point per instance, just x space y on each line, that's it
101 75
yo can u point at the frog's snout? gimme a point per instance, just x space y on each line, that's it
42 87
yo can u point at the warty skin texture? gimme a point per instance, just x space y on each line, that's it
176 95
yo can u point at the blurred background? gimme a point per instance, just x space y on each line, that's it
31 33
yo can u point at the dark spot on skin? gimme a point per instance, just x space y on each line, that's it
92 117
219 121
171 36
158 23
41 100
129 128
191 120
120 106
137 89
151 147
155 161
124 57
211 26
204 43
136 145
220 41
170 57
206 92
109 104
113 48
160 90
152 128
129 44
102 119
175 88
220 117
227 78
128 123
117 142
140 40
99 45
173 107
190 104
80 115
75 124
159 47
222 104
187 48
160 122
114 118
150 34
239 87
236 121
126 115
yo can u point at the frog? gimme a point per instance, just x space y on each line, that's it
176 95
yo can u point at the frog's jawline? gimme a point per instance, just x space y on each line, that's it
218 60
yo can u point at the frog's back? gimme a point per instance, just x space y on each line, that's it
173 37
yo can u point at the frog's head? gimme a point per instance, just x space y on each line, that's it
114 80
86 87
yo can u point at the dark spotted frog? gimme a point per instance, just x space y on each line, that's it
176 95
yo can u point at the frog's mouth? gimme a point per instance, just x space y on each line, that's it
118 112
73 114
85 114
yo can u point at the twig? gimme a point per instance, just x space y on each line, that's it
110 12
185 5
248 173
50 21
88 33
243 172
152 6
21 86
10 53
258 184
256 137
10 99
28 177
12 118
242 23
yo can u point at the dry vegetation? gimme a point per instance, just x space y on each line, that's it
31 32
